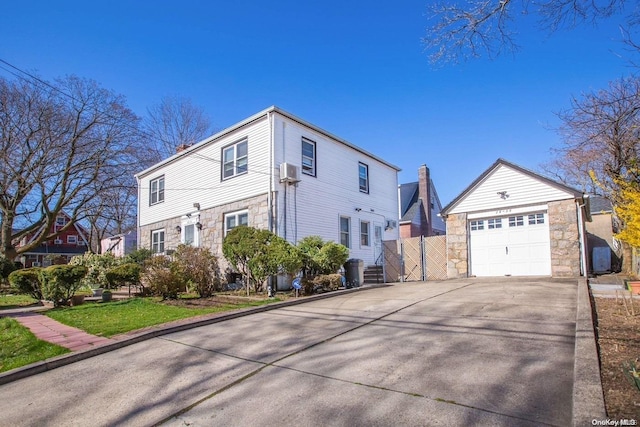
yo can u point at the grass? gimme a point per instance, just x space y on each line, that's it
15 300
20 347
123 316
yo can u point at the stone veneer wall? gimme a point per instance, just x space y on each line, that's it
457 246
212 221
565 239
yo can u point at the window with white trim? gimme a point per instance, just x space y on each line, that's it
536 219
345 231
156 190
364 233
308 157
235 159
363 177
157 241
61 220
71 239
516 221
235 219
494 223
477 225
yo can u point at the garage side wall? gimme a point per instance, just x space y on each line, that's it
457 246
565 239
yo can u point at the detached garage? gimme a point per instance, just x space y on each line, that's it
513 222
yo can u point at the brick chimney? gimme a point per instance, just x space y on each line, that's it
424 193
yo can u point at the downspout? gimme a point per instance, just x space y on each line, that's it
270 224
583 248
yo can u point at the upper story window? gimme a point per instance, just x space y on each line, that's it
235 219
363 175
73 240
157 241
61 220
156 190
345 231
234 159
308 157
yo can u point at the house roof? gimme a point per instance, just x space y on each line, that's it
409 205
245 122
499 162
600 205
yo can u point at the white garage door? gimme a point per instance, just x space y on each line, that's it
515 245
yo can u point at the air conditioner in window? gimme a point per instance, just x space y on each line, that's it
288 173
390 224
35 264
57 242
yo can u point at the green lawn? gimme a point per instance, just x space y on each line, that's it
17 300
20 347
123 316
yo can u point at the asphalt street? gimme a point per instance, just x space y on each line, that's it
460 352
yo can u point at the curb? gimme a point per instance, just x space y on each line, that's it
125 340
588 397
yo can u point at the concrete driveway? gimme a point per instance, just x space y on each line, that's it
462 352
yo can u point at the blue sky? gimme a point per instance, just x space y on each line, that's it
357 72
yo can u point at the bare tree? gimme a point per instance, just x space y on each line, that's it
480 27
601 138
175 121
61 148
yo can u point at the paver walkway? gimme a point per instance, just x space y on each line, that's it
47 329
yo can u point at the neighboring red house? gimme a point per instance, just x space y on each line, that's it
420 207
68 244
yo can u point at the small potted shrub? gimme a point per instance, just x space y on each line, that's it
106 295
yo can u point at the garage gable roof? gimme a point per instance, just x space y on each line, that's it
488 183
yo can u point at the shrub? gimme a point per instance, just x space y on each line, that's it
161 278
321 257
60 282
258 254
97 266
122 275
331 257
200 267
27 281
328 282
6 267
139 256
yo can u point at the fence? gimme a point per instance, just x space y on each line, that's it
415 259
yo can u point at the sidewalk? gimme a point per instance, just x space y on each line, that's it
49 330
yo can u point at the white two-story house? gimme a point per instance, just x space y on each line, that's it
271 171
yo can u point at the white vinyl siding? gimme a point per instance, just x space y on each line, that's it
196 176
315 204
521 189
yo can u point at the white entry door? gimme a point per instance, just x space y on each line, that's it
515 245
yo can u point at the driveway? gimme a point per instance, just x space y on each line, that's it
460 352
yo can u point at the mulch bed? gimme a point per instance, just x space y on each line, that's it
619 343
